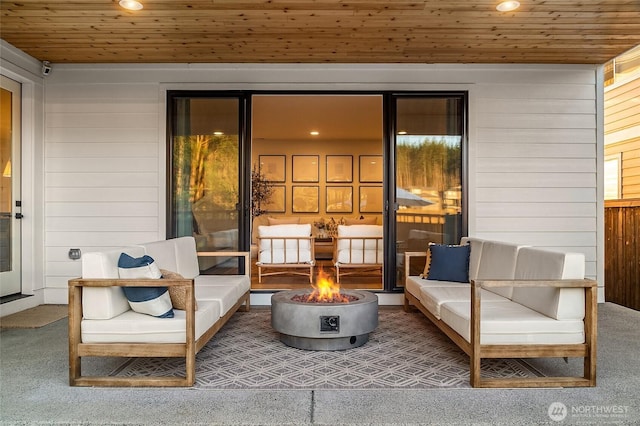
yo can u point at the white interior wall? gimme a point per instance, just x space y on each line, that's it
534 144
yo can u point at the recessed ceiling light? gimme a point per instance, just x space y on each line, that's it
402 132
130 4
218 133
314 133
508 6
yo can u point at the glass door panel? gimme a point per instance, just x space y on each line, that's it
205 176
10 230
429 174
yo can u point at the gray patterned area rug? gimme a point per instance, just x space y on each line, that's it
406 351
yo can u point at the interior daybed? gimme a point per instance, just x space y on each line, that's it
512 301
102 322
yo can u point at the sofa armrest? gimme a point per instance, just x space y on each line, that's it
76 285
118 282
245 254
560 283
590 310
75 312
407 260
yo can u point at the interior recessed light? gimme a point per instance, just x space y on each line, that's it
402 132
218 133
508 6
130 4
314 133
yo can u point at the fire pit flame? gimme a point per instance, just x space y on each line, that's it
326 291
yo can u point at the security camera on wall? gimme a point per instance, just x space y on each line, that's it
46 68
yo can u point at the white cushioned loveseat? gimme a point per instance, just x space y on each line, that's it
102 323
518 302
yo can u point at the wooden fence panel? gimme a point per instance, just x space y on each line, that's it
622 252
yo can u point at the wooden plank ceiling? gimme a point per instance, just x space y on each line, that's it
321 31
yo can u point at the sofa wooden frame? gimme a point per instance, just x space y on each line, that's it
187 350
478 351
287 268
359 267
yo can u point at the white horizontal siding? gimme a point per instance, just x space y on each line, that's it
104 164
71 180
532 209
102 209
526 165
103 149
523 180
102 170
529 136
536 159
532 139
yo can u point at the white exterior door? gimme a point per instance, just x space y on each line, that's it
10 229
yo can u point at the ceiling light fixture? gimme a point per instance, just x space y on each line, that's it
314 133
508 6
402 132
130 4
218 133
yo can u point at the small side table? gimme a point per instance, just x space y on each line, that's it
323 248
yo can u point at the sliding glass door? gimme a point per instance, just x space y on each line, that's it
205 174
429 149
391 159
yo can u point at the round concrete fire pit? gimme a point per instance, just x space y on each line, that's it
324 326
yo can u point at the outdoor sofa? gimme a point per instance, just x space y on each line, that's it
512 301
103 324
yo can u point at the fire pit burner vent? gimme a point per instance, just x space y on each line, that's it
324 326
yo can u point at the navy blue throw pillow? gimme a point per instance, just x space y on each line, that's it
154 301
449 263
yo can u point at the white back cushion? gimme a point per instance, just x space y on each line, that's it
269 241
354 231
175 255
274 248
104 302
474 257
540 264
498 262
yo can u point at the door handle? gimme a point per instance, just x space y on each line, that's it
19 215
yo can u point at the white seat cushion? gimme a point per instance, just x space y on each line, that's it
132 327
360 256
433 297
266 257
511 323
241 283
226 295
415 284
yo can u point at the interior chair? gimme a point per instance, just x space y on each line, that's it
285 249
359 248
